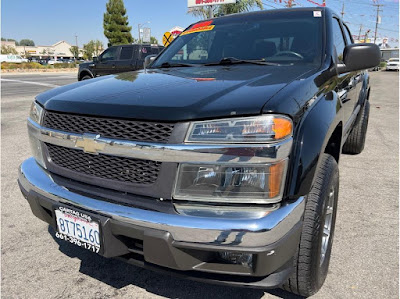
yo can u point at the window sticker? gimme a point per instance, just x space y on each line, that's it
317 14
199 27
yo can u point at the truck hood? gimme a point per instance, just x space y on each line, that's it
175 94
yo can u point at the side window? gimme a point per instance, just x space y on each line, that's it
126 53
109 54
348 35
338 39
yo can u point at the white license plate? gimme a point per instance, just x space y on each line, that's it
78 228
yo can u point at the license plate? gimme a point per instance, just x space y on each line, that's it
78 228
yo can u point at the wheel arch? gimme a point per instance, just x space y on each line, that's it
83 73
319 131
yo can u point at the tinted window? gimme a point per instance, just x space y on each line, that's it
348 35
287 38
109 54
338 39
126 53
145 51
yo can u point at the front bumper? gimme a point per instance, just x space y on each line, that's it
183 245
392 67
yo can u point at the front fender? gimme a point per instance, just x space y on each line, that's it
311 137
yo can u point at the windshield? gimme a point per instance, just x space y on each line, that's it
394 60
286 38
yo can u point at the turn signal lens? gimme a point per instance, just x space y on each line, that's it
282 127
259 129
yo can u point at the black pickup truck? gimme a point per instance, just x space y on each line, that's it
117 59
217 162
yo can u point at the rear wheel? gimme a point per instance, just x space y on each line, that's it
311 262
355 143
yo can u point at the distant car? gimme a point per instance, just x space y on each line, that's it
117 59
52 62
12 58
393 64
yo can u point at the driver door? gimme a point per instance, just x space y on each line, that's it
107 59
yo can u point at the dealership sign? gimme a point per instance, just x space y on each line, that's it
195 3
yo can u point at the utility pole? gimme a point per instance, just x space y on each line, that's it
210 12
378 6
342 13
77 48
359 34
366 35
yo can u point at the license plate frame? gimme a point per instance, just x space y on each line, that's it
83 218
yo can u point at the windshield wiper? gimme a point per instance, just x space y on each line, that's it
168 65
233 60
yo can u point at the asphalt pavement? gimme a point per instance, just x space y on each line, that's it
364 261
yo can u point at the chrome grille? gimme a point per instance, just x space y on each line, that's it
127 170
109 127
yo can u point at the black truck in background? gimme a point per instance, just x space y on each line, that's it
117 59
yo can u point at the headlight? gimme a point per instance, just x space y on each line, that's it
36 112
240 183
35 115
259 129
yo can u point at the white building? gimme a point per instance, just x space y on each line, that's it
60 49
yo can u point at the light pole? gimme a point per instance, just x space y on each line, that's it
140 26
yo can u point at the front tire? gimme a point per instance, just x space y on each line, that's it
86 77
311 261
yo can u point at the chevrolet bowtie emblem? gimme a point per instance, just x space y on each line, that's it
89 144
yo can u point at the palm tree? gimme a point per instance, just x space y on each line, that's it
226 9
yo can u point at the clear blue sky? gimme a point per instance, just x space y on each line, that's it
49 21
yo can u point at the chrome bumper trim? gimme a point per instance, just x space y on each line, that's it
178 153
202 230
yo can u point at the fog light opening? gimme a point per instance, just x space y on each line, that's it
237 258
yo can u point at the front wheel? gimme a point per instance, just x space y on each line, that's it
311 261
86 77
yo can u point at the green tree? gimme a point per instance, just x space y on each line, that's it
226 9
153 40
75 51
88 50
116 25
98 47
27 42
8 50
10 40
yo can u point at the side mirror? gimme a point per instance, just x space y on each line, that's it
148 60
358 57
95 59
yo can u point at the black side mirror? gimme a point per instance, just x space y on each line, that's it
95 59
358 57
148 60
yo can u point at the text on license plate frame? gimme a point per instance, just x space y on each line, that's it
78 228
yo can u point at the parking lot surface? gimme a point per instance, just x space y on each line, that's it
364 261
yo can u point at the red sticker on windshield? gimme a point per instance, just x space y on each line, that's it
199 27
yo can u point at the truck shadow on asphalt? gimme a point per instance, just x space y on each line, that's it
118 274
